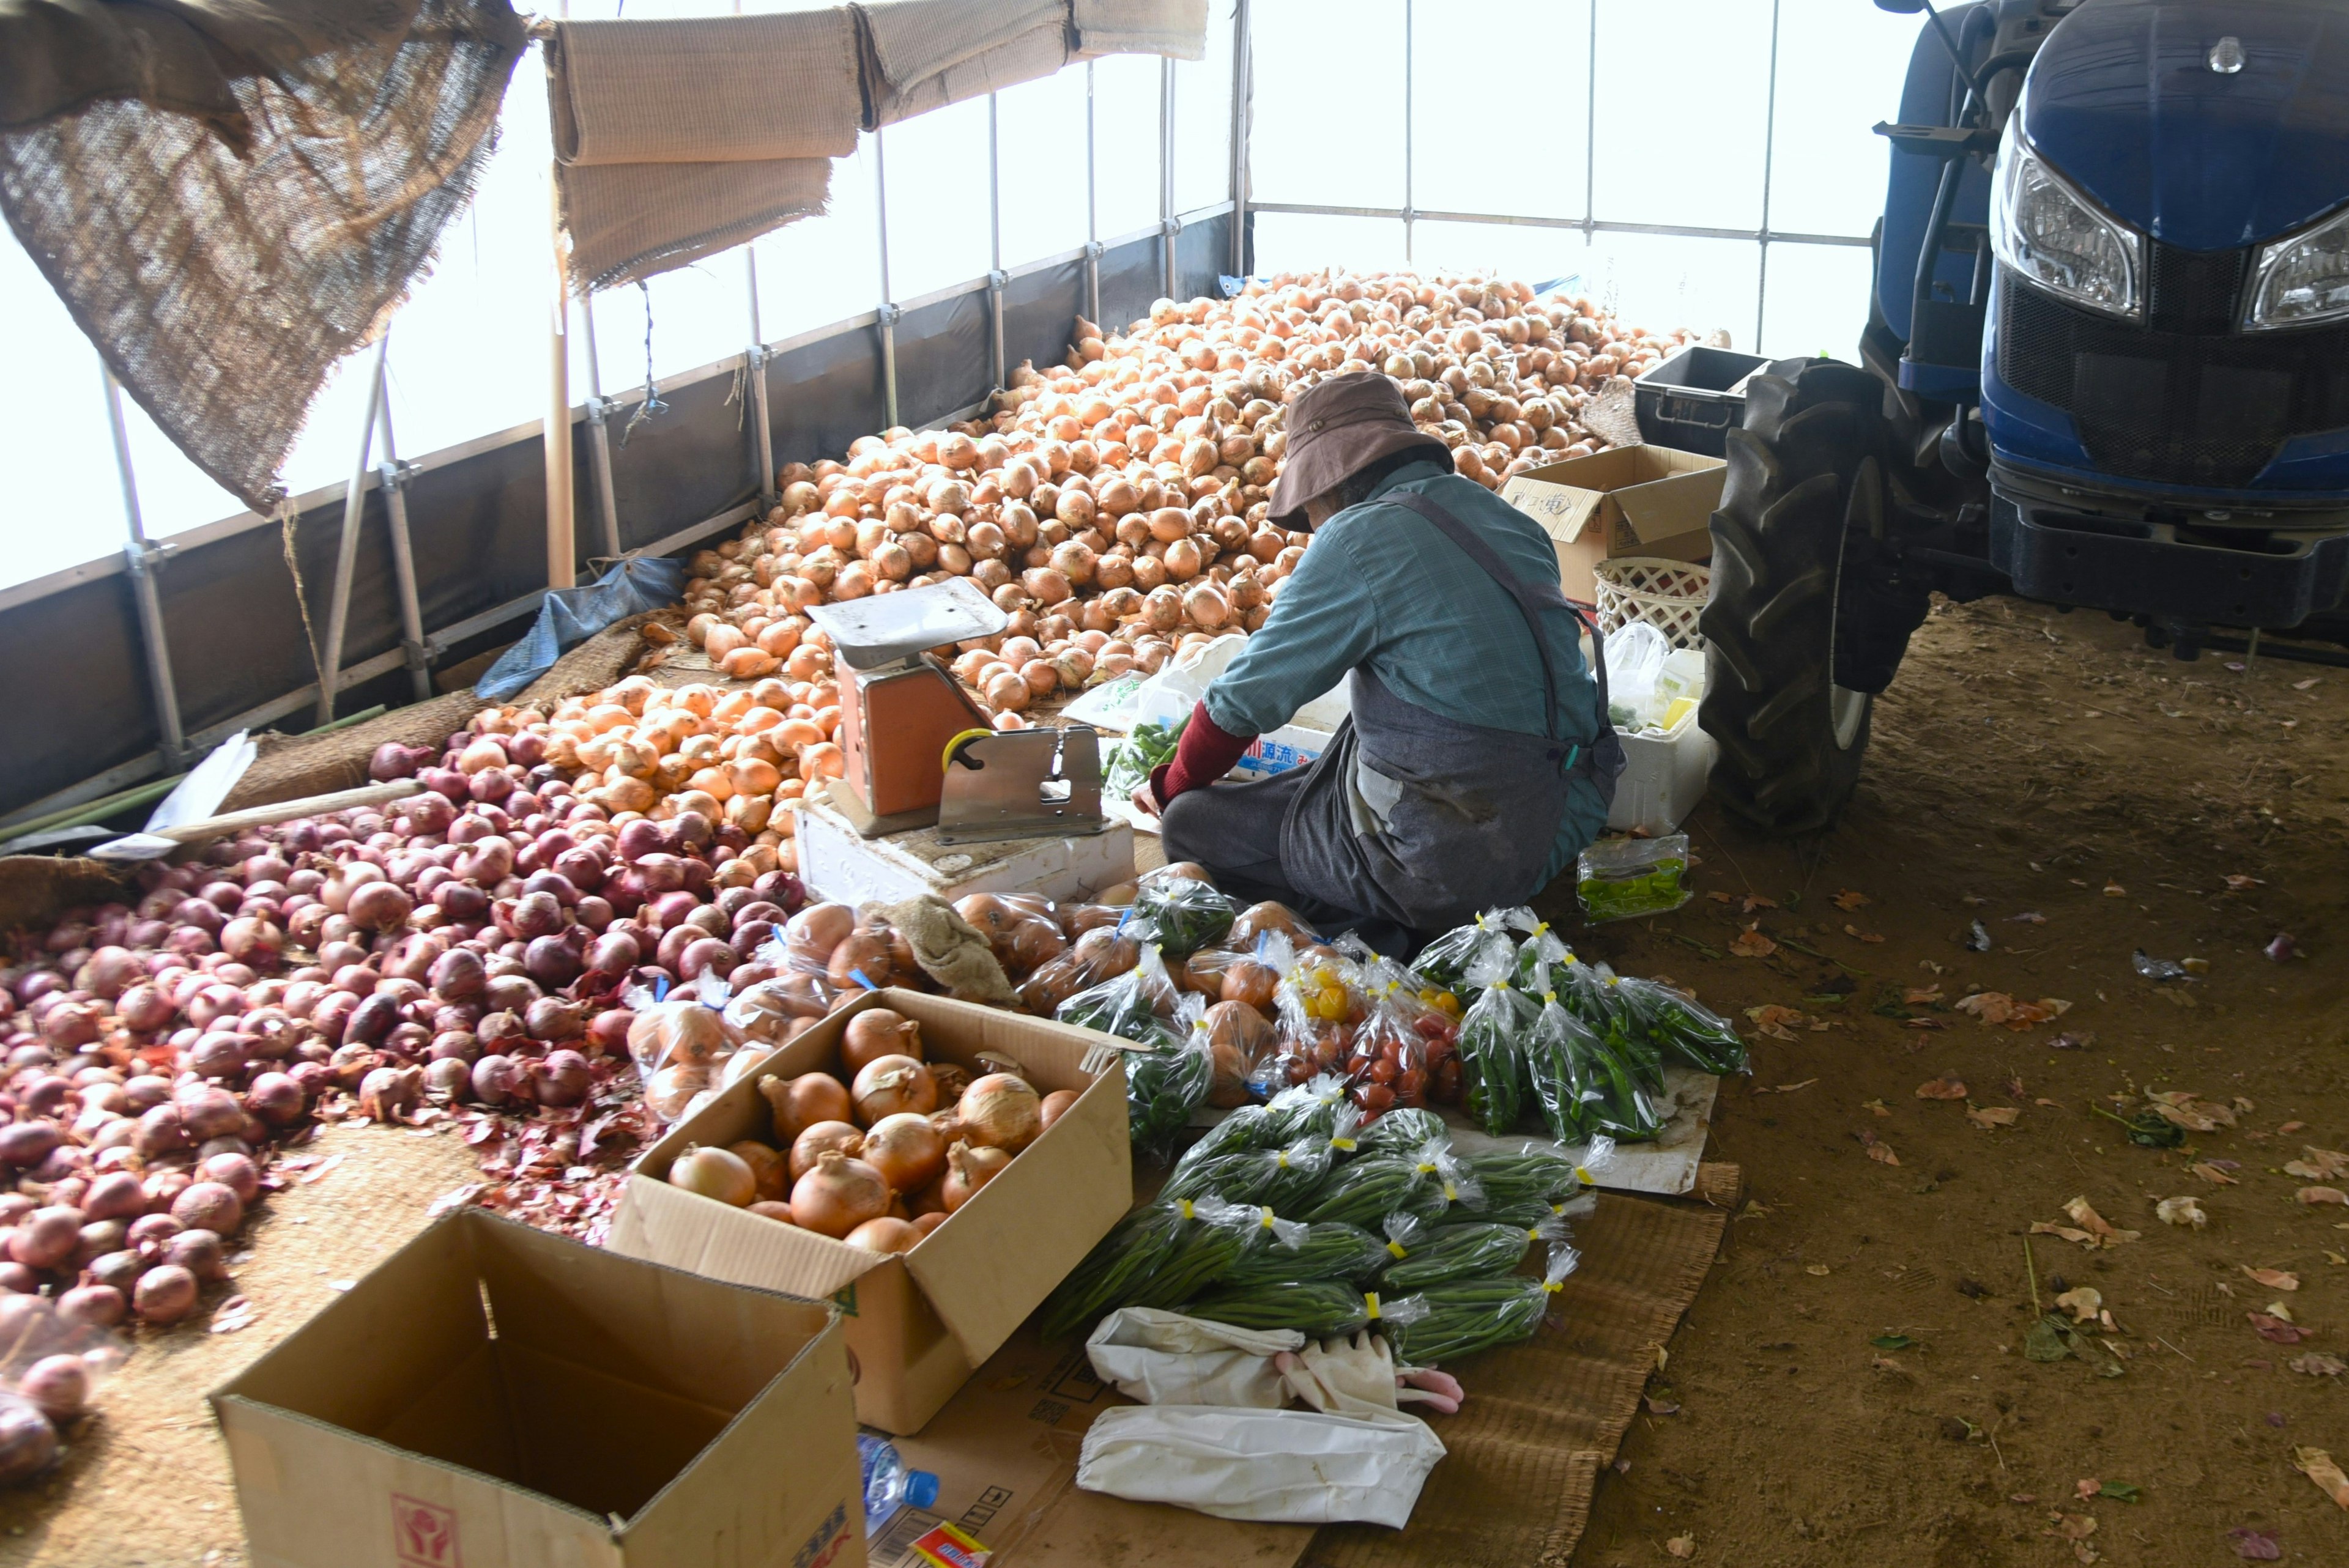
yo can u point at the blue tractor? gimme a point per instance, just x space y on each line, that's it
2105 366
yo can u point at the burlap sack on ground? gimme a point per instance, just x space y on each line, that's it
949 949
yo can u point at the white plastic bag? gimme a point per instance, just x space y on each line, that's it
1635 657
1274 1467
1162 1357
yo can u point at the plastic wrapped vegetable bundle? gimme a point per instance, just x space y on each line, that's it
1155 1256
1447 961
1315 1010
1167 1082
1681 1028
1421 1254
1494 1035
1096 956
1137 1003
1319 1309
1281 1178
1400 1131
1541 952
1593 994
1428 1182
1584 1087
1329 1251
1313 1108
1445 1322
1181 914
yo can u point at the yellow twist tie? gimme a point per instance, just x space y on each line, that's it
1280 1160
1451 1193
1186 1207
1265 1217
1372 1301
1345 1143
1548 997
1585 1177
1398 1249
1552 1287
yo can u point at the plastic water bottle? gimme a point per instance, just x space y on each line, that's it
889 1484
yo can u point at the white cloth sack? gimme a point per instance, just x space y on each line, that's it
1178 28
1274 1467
1162 1357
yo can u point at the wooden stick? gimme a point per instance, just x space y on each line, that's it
204 829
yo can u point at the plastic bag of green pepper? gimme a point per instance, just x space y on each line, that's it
1584 1087
1181 914
1445 1322
1446 961
1680 1029
1495 1087
1140 754
1617 879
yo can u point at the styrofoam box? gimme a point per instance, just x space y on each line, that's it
836 863
1278 750
1664 779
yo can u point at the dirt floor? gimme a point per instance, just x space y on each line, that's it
1851 1386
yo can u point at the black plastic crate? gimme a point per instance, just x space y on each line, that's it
1686 401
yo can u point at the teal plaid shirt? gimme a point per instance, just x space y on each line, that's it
1382 589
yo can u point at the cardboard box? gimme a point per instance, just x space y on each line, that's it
838 864
917 1325
1625 501
495 1397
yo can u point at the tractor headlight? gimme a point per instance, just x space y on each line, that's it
2301 279
2048 232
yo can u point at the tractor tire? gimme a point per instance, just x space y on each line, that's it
1808 475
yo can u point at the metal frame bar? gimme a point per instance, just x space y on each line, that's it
1091 254
1169 225
1410 32
599 439
1311 209
888 313
140 558
1243 117
754 365
329 653
392 475
998 280
1769 150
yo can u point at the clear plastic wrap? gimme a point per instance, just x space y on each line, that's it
1495 1087
1429 1182
1467 1315
1240 1039
1446 961
1583 1086
1617 878
1680 1029
1421 1254
51 1370
1102 954
680 1041
1137 1003
1280 1178
1329 1251
1319 1309
1318 1006
1181 914
1155 1256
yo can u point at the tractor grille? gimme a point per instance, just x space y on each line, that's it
2186 399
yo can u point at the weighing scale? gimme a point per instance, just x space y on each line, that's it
920 751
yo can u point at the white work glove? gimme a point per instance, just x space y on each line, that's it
1359 1377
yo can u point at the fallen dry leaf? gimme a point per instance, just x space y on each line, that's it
1819 1269
1848 901
1882 1154
2319 1165
1998 1007
1784 1087
1777 1021
2237 882
1752 945
2088 1218
1988 1117
2210 1173
2063 1232
2074 1526
1948 1086
1682 1546
2318 1466
2274 1329
2084 1304
2114 889
1754 900
2316 1364
1878 1107
1719 897
2181 1212
1850 930
2274 1279
1921 995
2313 1195
2255 1545
2292 1127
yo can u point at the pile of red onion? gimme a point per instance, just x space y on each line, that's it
463 947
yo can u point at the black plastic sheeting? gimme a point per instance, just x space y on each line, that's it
76 685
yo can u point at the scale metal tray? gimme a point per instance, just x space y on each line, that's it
885 629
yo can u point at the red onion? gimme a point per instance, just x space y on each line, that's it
372 1020
160 1132
98 1239
380 906
93 1305
145 1092
454 1045
551 961
209 1112
237 1173
660 872
29 1443
510 992
551 1019
165 1293
14 1207
152 1229
276 1098
582 868
561 1080
209 1206
15 1278
107 972
385 1095
71 1024
46 1238
200 1252
165 1186
220 1057
495 1079
614 953
607 1032
43 1096
447 1078
57 1386
392 760
116 1195
28 1143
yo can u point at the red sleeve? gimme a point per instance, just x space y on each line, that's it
1204 754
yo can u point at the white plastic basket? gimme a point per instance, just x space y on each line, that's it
1667 594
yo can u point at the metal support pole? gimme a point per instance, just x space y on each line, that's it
1243 114
1168 225
1408 79
888 313
1769 141
599 441
996 279
1590 132
142 558
346 556
562 523
1092 211
394 476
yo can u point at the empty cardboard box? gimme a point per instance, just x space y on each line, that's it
1626 500
920 1323
495 1397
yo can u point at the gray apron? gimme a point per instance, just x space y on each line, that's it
1424 820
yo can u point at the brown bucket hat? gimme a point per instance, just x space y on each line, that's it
1337 427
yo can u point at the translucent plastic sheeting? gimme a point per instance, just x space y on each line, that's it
1202 117
1462 159
1665 280
1815 301
1684 89
1840 69
1295 242
56 461
822 269
1125 144
1328 125
936 166
1500 250
1040 140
